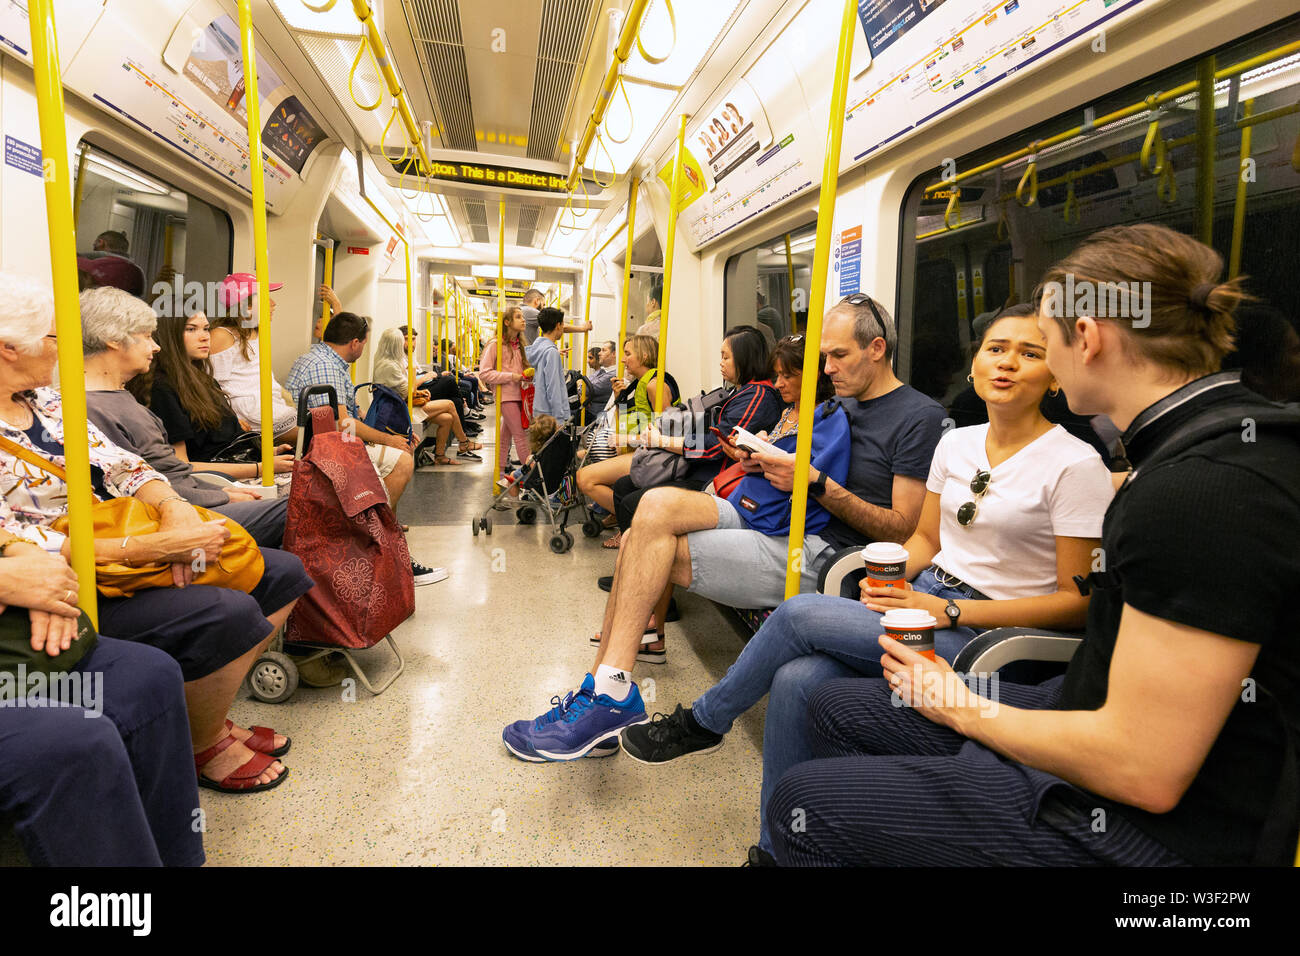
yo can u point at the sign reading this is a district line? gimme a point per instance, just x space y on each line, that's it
484 174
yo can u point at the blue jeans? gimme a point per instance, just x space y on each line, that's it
809 639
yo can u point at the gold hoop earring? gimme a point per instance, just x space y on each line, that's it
1054 391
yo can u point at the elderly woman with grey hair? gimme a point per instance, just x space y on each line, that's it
213 633
116 331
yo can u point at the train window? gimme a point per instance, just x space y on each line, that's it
134 230
988 247
758 287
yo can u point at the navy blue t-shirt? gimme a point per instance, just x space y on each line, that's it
894 434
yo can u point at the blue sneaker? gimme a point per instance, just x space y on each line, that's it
517 736
588 721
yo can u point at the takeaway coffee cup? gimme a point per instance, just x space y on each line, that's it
913 628
886 564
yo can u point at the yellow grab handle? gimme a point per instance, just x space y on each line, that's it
353 72
952 215
672 22
1154 142
1071 210
1028 183
1167 187
1003 229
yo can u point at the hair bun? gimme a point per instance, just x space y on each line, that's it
1200 297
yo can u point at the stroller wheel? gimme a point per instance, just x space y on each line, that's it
560 543
569 538
487 525
473 525
274 678
591 529
526 515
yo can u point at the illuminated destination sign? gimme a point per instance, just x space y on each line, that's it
492 293
483 174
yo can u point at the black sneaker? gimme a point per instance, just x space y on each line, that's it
425 575
759 857
606 583
666 738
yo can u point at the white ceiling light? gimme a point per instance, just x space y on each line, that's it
511 272
698 27
440 231
340 19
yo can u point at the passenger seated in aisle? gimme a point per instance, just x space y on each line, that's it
1171 721
115 337
214 633
390 370
787 360
894 431
115 790
746 364
234 356
540 431
635 395
1013 510
552 397
326 363
514 365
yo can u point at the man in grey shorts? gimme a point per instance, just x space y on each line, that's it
894 431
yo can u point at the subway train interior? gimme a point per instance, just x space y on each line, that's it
326 307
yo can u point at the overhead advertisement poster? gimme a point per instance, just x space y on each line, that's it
216 66
929 56
746 170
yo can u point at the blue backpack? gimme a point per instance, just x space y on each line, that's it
765 509
387 412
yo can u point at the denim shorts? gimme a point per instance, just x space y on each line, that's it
739 567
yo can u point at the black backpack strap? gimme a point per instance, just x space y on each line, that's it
1217 421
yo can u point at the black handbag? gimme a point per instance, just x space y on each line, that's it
17 656
246 449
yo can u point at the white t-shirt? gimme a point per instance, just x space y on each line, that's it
1056 486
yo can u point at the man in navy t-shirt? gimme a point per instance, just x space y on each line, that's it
894 430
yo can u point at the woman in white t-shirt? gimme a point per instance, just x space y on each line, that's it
1013 511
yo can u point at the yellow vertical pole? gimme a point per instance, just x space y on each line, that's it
167 244
442 318
67 306
458 332
1205 150
789 270
670 242
817 305
627 270
81 182
328 275
253 106
410 330
1239 210
501 312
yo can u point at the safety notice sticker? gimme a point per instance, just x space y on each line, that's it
23 156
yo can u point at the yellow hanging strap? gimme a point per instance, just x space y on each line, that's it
361 51
600 143
1027 188
672 23
952 215
1003 230
1071 210
1152 155
1167 187
631 120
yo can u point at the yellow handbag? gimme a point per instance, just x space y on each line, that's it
239 567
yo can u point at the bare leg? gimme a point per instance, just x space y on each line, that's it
399 478
208 701
597 480
654 555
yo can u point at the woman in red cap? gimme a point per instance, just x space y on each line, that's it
234 357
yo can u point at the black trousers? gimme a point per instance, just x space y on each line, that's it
444 386
627 496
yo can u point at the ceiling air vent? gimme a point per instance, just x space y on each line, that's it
476 216
442 52
564 29
527 225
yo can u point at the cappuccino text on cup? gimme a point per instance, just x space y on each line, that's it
886 564
911 627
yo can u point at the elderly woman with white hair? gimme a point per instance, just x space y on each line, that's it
213 633
390 370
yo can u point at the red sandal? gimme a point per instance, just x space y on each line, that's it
244 778
262 739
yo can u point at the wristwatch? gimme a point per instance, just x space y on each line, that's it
817 487
953 612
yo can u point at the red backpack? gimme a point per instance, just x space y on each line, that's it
340 524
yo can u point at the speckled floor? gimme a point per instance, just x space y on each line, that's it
419 776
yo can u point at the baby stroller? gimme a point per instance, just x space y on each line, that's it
340 524
549 486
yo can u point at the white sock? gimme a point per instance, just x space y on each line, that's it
615 683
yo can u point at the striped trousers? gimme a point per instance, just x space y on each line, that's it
890 788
